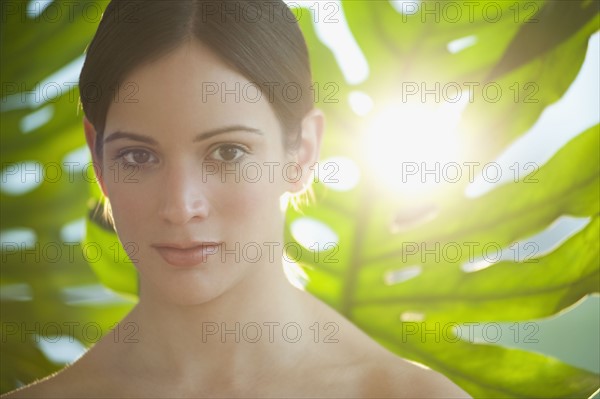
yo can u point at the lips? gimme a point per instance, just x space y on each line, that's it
187 254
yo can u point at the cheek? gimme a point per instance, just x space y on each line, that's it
129 203
245 197
249 203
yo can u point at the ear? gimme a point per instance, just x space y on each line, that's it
90 138
307 155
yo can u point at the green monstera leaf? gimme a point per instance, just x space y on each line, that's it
397 268
438 295
48 289
522 57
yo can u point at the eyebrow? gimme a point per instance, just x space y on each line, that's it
202 136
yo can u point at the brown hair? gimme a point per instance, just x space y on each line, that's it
259 39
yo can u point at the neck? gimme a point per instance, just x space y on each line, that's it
256 323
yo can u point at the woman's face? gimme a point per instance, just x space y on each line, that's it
194 167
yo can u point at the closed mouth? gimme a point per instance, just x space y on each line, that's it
187 254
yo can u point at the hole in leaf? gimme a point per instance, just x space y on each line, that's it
398 276
360 102
16 292
62 349
73 231
410 218
17 239
78 159
412 316
339 173
526 250
22 177
294 273
459 45
36 119
313 234
406 7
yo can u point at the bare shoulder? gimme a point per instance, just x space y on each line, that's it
369 370
390 376
74 381
58 385
374 372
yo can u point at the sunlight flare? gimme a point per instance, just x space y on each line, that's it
411 147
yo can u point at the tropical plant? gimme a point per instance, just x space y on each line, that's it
378 274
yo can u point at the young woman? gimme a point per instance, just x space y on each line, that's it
183 96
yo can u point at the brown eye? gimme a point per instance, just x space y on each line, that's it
137 158
229 153
140 156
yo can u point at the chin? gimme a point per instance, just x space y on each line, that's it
188 300
187 287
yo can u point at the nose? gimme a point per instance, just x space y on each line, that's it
183 196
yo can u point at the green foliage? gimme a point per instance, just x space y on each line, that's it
528 44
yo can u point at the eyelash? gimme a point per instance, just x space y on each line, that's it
245 151
120 157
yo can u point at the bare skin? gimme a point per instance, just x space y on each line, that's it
353 367
172 353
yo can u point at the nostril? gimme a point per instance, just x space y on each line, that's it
181 209
182 196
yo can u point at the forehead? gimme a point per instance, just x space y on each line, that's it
189 89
